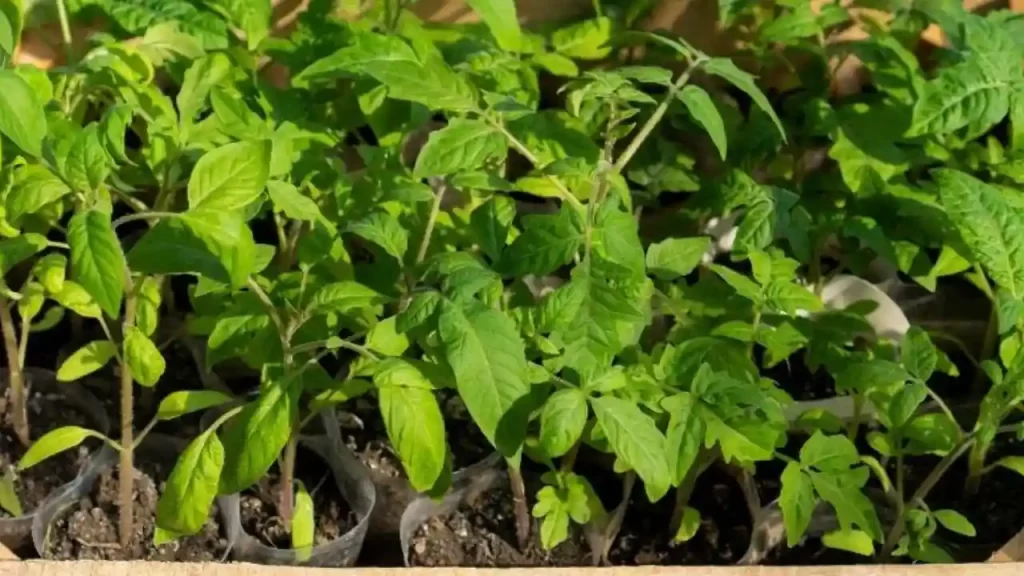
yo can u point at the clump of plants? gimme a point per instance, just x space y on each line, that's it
646 267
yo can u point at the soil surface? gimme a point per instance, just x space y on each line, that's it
88 530
259 505
46 411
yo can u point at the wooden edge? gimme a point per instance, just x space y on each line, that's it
1012 551
93 568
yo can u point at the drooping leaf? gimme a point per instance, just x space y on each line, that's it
955 522
636 440
700 106
97 262
185 503
856 541
86 360
415 427
303 523
488 357
797 502
726 69
688 526
54 442
562 421
230 177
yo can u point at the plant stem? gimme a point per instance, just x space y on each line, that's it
566 194
142 216
435 209
286 503
685 490
756 326
127 469
569 460
896 532
656 117
65 30
975 468
17 380
522 512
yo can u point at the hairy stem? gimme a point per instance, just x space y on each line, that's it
975 468
428 231
286 503
522 511
896 532
126 465
17 379
566 194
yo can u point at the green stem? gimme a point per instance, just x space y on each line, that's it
656 117
522 511
565 194
896 532
286 504
428 232
65 30
142 216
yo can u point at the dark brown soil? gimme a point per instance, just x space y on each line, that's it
46 411
89 529
333 517
483 534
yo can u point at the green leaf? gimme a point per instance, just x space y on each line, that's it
500 16
961 95
385 338
288 200
21 114
303 523
557 64
724 68
490 224
393 63
143 357
843 492
854 541
955 522
675 257
488 357
86 360
562 421
344 297
744 286
87 164
797 502
177 404
829 453
8 493
688 526
415 427
230 177
1015 463
10 34
868 374
991 228
211 243
75 298
918 355
461 146
548 242
700 106
34 188
684 435
383 230
185 503
791 298
54 442
97 262
421 308
257 435
14 251
598 319
250 16
202 75
586 40
635 439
